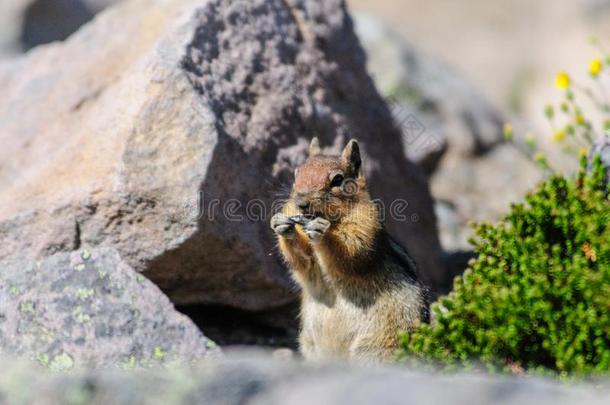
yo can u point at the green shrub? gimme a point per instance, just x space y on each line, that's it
538 295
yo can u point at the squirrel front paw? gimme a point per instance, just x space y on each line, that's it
282 225
316 228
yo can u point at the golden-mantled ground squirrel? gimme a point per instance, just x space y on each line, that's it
360 288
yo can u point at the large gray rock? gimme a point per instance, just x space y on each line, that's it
254 380
91 309
111 138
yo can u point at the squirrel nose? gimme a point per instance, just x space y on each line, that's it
302 203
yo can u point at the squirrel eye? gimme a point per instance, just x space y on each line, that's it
337 180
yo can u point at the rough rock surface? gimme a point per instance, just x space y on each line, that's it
89 308
254 380
115 137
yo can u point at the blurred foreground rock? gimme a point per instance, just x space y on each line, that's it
166 129
91 309
255 380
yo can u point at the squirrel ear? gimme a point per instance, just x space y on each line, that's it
351 155
314 147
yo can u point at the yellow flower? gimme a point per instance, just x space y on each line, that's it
562 80
559 135
595 67
583 151
580 119
539 157
589 252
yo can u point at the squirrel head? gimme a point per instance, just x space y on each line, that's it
329 185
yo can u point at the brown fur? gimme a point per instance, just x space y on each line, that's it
360 289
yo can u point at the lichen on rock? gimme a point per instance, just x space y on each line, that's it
65 318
